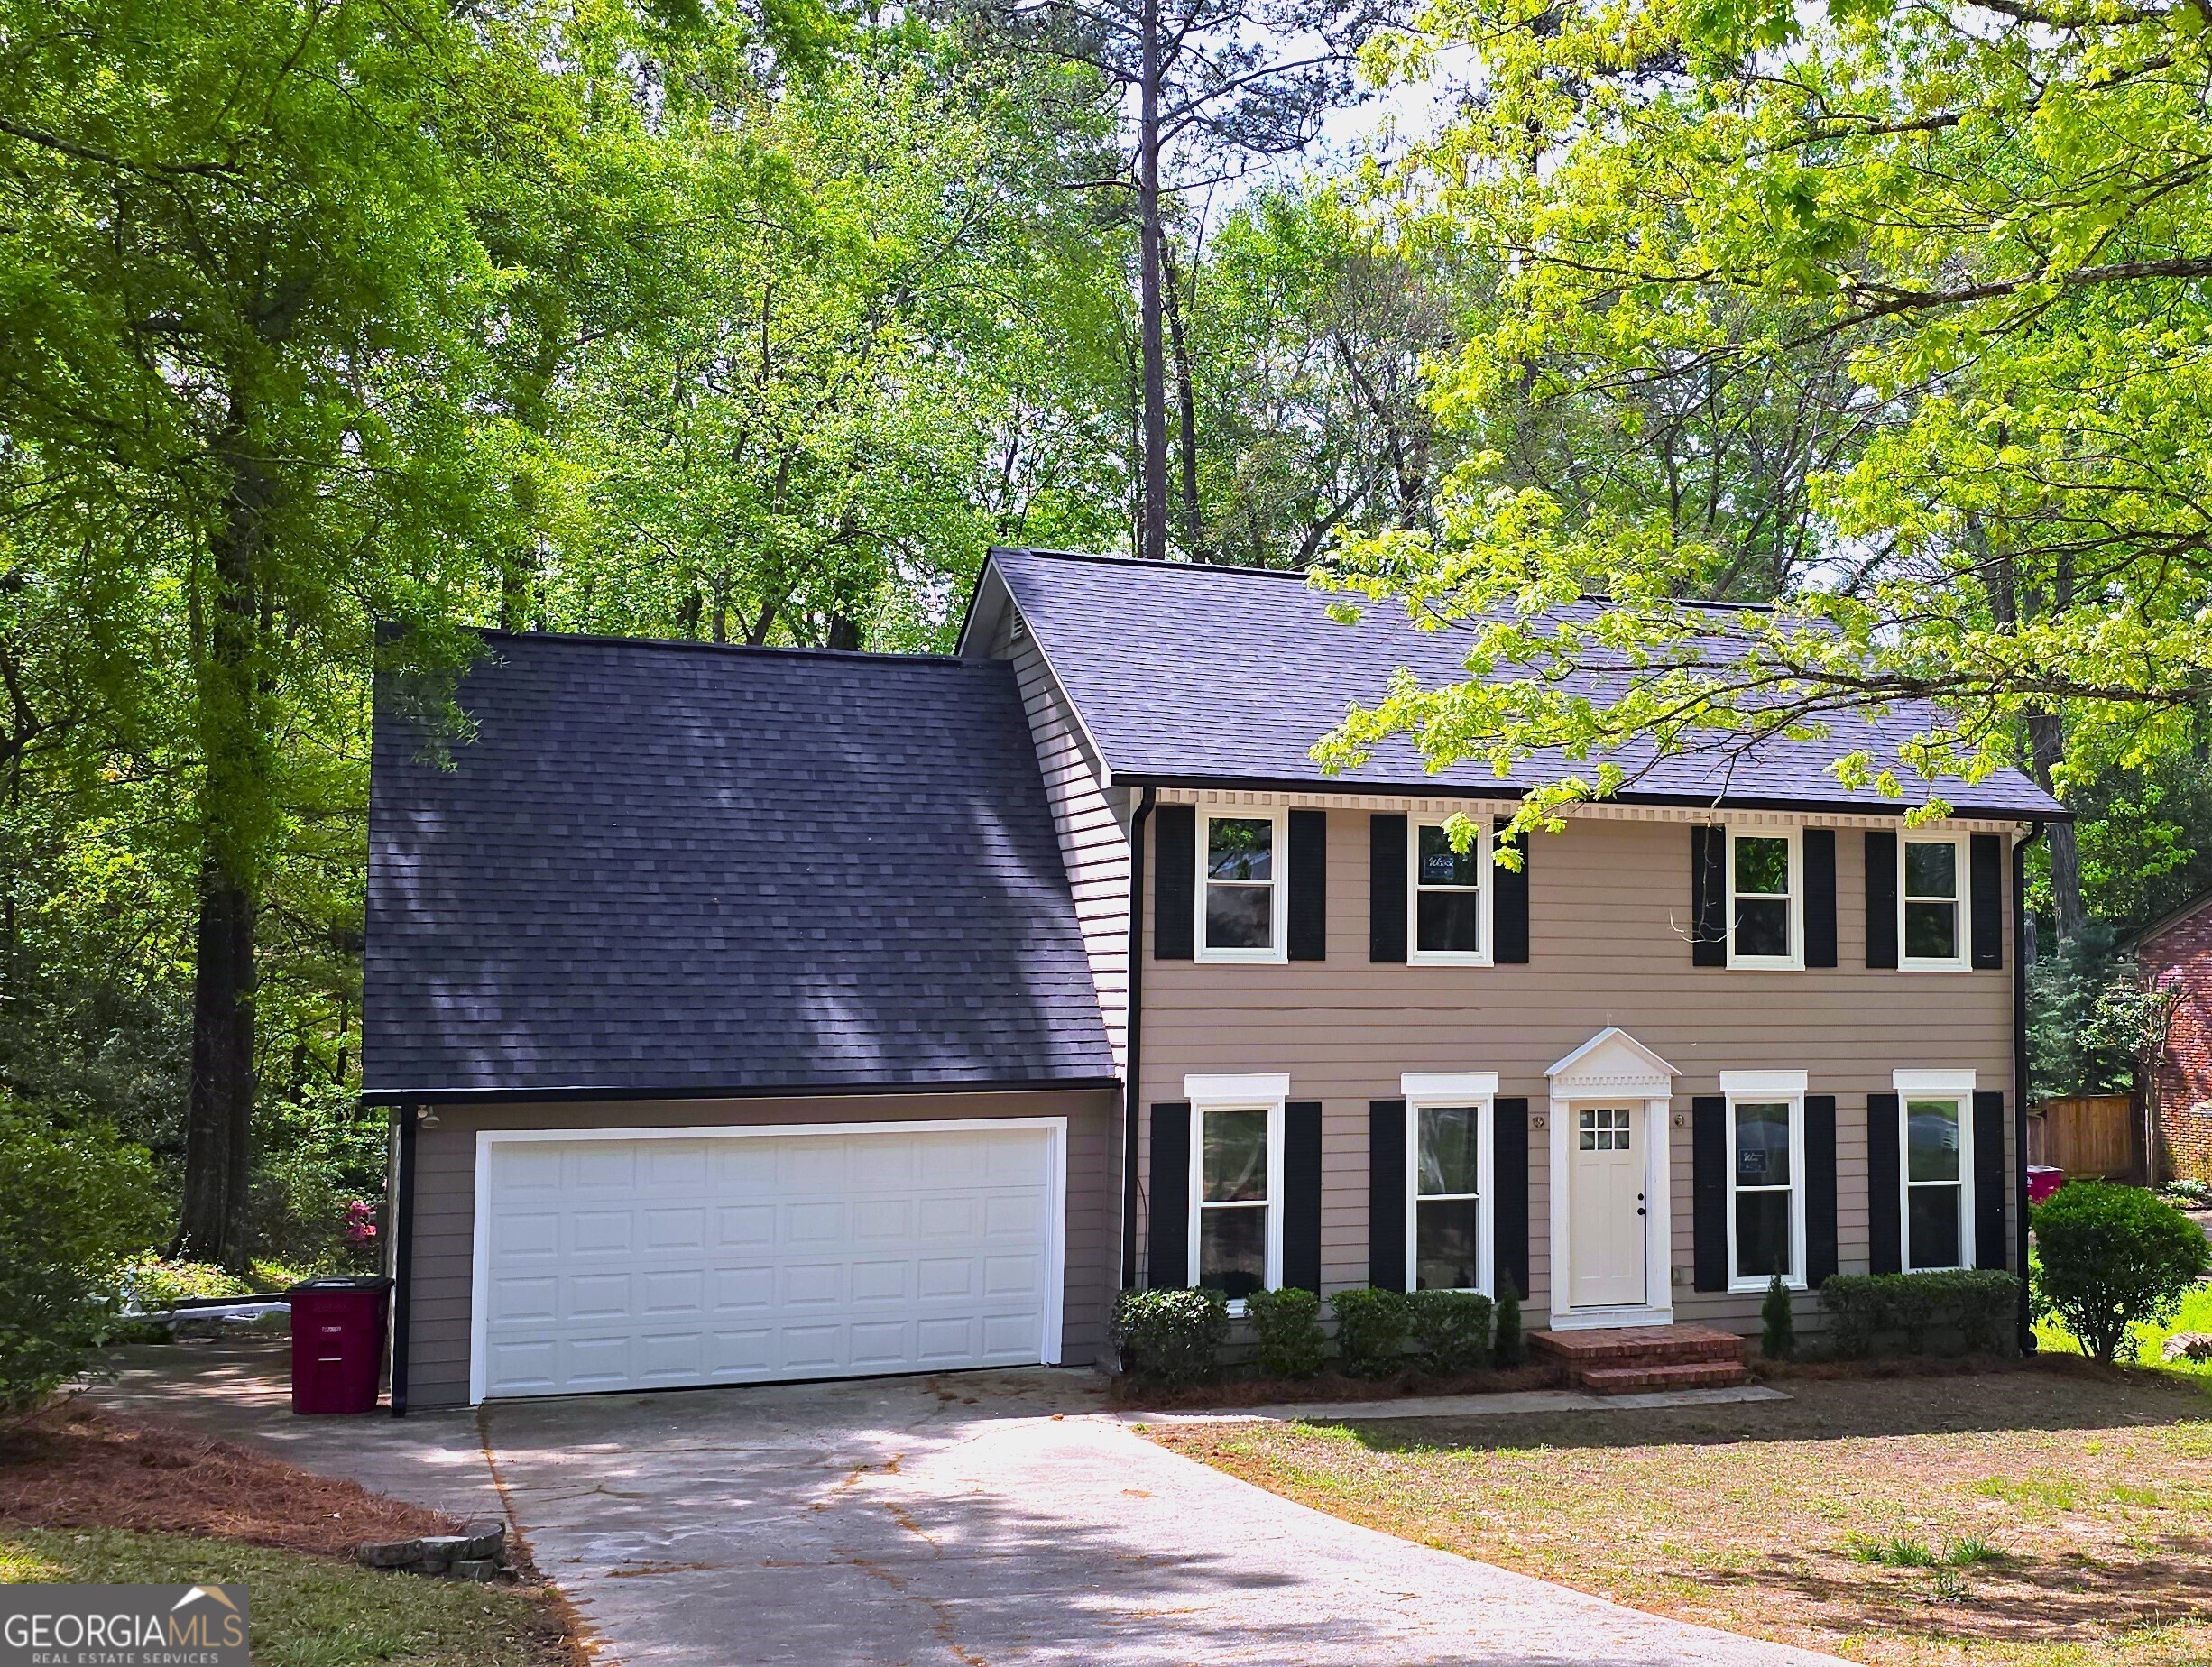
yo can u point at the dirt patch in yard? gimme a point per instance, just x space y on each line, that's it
2047 1515
71 1466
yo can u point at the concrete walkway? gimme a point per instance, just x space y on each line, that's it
991 1518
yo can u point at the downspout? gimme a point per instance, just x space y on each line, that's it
402 1256
2021 1084
1134 1031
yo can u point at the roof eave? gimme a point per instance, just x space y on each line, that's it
768 1091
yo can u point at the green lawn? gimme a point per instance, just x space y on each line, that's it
2051 1517
309 1611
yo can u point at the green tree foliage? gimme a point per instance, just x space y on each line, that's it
74 1204
1976 232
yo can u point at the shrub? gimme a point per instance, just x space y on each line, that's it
74 1204
1451 1329
1780 1320
1981 1303
1370 1330
1171 1338
1287 1323
2111 1257
1509 1346
153 1284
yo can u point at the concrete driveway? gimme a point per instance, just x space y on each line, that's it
991 1518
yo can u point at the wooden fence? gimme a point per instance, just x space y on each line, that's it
2086 1135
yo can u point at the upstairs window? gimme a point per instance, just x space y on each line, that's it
1762 902
1241 897
1449 898
1929 894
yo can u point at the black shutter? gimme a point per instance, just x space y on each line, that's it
1309 886
1302 1194
1509 1177
1510 908
1881 899
1385 1192
1174 871
1819 1188
1709 897
1884 1227
1385 888
1989 1235
1169 1265
1708 1190
1986 865
1820 896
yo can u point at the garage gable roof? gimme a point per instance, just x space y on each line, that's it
672 868
1186 674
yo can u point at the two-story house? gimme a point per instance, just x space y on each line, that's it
766 1013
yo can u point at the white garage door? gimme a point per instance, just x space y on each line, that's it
639 1261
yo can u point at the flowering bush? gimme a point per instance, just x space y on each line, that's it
361 1223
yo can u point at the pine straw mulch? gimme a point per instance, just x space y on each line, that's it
72 1466
1128 1394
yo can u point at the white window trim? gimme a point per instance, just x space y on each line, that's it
1960 925
1477 1089
1953 1086
1767 1088
1279 885
1793 837
1239 1093
1486 890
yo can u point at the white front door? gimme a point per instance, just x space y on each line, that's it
1606 1207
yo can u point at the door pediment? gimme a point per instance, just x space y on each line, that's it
1612 1064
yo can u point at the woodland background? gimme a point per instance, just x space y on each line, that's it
760 325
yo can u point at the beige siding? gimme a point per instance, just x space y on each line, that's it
446 1192
1610 910
1094 842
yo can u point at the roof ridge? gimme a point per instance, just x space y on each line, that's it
793 652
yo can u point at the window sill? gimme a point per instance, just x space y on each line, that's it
1738 964
1932 966
1242 957
1444 958
1757 1287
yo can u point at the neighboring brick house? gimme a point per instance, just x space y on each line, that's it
2179 945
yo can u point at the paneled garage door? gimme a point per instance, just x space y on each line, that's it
637 1261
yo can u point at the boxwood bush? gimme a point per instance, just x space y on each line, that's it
1451 1330
1981 1305
1287 1325
1370 1330
1172 1338
2111 1257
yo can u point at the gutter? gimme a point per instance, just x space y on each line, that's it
402 1257
1134 1033
2021 1084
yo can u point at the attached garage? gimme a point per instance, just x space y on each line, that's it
639 1259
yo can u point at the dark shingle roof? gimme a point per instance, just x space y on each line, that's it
662 867
1185 674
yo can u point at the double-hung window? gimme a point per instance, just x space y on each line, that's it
1448 894
1237 1183
1928 892
1936 1138
1766 1177
1448 1179
1240 890
1763 899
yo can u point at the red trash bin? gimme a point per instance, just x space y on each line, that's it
337 1344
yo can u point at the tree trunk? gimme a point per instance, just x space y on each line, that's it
1187 400
234 741
1153 545
2046 751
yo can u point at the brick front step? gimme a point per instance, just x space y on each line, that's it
1639 1345
1670 1375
